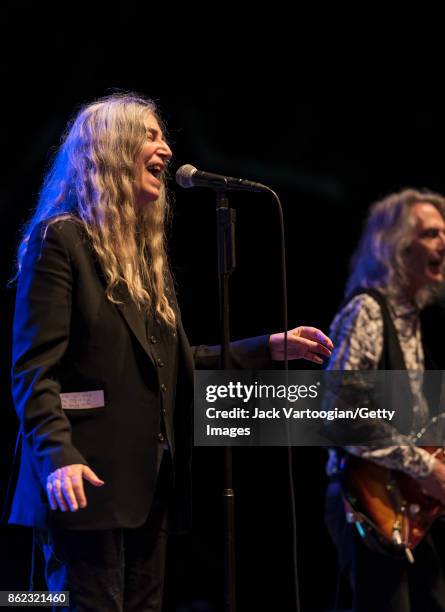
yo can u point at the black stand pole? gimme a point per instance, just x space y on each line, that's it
225 221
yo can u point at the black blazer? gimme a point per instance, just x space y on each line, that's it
68 337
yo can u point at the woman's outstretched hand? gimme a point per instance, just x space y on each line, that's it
302 343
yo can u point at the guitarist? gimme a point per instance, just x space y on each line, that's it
397 269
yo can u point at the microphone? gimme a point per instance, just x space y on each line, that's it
188 176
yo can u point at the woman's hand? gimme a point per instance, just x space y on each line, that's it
302 343
65 487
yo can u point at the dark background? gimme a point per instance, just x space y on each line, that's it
329 152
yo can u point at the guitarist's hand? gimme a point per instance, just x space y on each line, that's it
434 483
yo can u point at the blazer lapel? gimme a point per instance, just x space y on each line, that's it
134 317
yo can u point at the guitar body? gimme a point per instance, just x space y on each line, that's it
392 511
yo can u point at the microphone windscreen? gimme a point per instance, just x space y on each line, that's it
184 175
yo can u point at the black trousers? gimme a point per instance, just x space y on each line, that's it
112 570
382 583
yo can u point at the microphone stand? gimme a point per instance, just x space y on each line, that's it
225 223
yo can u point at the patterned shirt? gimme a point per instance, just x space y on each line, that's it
357 333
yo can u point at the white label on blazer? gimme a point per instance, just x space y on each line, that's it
82 400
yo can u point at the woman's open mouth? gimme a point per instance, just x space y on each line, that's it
155 170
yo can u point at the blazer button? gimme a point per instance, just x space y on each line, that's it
163 387
164 411
161 364
153 339
161 437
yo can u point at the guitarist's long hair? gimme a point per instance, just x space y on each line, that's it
379 260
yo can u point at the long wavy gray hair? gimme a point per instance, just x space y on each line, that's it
91 180
379 260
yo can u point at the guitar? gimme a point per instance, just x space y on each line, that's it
390 510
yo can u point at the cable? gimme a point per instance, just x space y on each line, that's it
286 369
